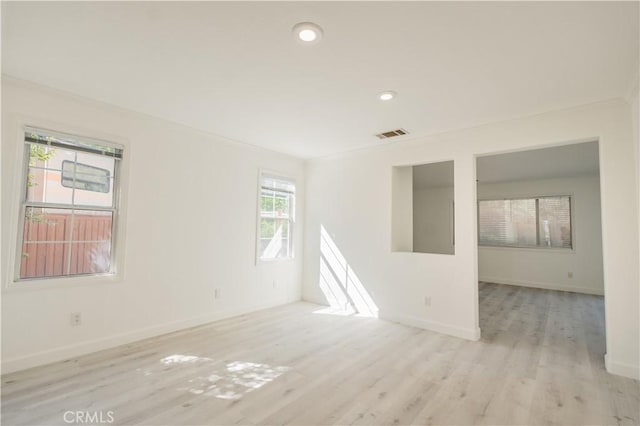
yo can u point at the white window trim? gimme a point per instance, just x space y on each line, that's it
292 231
13 282
545 249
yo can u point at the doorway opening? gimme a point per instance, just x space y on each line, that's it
540 267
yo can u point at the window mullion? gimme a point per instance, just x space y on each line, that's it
68 206
73 212
73 187
70 243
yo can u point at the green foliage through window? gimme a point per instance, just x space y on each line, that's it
38 153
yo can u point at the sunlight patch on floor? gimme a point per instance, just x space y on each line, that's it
229 381
237 379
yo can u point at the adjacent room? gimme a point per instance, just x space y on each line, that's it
540 252
320 213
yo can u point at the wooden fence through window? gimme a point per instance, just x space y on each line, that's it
48 237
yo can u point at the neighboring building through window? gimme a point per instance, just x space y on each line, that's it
276 221
69 206
526 222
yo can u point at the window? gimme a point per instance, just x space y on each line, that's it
527 222
276 221
69 207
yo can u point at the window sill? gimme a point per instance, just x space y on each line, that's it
530 249
34 284
421 253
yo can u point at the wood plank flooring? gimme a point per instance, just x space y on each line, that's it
540 361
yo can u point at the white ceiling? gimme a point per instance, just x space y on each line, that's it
233 68
555 162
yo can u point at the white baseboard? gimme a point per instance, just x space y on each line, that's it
463 333
90 346
621 369
546 286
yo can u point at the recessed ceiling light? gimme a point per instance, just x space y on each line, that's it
307 35
387 96
307 32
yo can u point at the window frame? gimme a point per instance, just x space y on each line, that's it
20 205
292 217
537 247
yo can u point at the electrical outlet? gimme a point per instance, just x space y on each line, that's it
570 274
75 319
427 300
216 293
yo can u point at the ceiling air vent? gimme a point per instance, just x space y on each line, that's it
392 134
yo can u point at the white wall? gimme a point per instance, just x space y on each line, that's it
402 209
350 196
635 121
548 268
191 228
433 220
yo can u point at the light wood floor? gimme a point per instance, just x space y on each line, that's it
540 361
